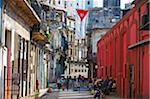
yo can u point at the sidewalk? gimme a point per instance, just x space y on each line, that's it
112 97
28 97
41 93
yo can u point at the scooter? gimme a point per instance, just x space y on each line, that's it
99 92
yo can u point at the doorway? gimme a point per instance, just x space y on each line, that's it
131 80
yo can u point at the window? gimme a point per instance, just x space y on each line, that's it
70 51
58 2
65 4
82 70
106 71
77 4
110 71
97 21
79 70
85 70
71 38
75 51
88 2
75 70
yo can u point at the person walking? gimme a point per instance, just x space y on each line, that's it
59 83
105 84
63 83
67 83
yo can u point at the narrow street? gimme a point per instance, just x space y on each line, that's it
93 48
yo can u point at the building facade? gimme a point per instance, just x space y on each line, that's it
16 47
123 53
26 50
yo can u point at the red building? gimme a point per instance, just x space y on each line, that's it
123 53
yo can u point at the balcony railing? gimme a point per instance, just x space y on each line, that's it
42 28
51 15
39 34
36 6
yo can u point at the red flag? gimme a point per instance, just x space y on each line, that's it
82 13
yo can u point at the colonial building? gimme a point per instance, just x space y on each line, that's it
75 63
26 50
40 53
18 17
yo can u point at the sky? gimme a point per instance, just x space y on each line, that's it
100 2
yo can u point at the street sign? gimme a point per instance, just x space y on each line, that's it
82 13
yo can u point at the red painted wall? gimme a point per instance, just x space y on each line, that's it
114 57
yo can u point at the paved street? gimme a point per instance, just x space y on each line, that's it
73 95
68 95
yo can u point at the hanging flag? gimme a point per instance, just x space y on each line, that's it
82 13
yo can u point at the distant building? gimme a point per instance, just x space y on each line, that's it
112 7
75 65
128 7
98 24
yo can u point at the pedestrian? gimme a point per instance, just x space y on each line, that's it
110 84
76 84
90 83
70 83
104 86
63 84
67 83
37 89
59 83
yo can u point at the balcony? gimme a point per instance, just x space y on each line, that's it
23 9
38 34
36 6
51 15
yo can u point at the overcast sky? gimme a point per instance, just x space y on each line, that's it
100 2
